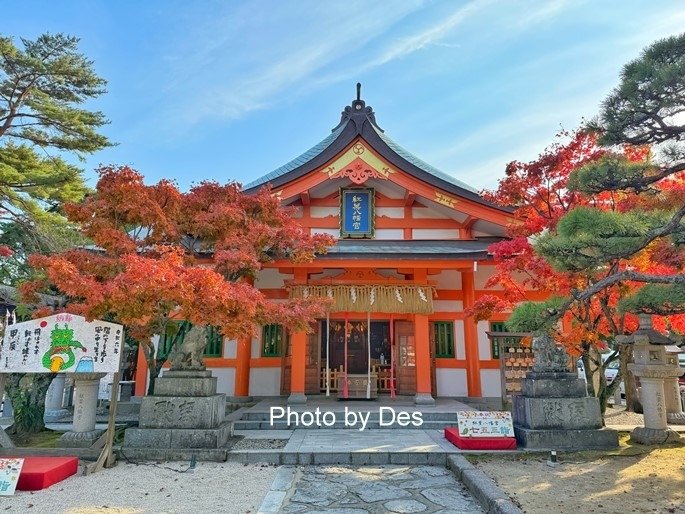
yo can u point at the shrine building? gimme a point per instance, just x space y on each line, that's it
410 256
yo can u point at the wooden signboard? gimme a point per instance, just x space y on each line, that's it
9 475
485 424
62 343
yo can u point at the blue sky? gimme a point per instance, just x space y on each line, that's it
231 90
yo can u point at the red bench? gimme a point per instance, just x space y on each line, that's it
41 472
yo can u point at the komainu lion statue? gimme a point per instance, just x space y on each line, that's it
549 357
187 356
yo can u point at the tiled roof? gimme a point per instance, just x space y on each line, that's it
297 161
410 157
416 249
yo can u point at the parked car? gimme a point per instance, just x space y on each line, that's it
610 371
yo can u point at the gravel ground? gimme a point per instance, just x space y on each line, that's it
619 416
260 444
226 487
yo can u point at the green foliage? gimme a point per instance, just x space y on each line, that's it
660 299
42 87
535 317
612 172
652 90
589 238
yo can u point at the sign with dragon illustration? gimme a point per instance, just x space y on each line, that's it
62 343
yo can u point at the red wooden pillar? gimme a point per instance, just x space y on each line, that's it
423 361
141 374
423 351
298 343
242 367
471 335
298 360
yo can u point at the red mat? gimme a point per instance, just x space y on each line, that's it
41 472
479 443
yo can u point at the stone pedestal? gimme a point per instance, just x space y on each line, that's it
554 413
674 403
185 413
54 398
7 411
83 433
656 429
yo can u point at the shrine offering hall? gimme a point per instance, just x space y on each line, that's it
410 257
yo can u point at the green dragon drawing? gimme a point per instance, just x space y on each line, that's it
61 356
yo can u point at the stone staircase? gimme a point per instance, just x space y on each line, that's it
259 420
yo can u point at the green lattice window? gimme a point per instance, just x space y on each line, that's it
497 342
443 334
176 331
273 340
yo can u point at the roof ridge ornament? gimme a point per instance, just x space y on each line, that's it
358 113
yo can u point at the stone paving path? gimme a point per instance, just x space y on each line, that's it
368 490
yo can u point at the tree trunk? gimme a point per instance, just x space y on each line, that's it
27 394
630 385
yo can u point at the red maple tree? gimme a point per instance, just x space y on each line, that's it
159 254
540 192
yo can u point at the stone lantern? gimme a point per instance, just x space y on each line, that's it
656 366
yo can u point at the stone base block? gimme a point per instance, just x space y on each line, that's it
297 399
642 435
178 438
79 439
52 415
675 418
556 413
424 399
182 411
566 386
566 439
185 386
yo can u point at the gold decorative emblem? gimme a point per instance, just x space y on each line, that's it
358 148
445 199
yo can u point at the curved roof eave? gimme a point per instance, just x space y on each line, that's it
362 123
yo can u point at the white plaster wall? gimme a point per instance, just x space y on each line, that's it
483 341
448 279
225 382
451 382
265 381
335 232
482 275
270 279
322 212
389 233
447 306
297 211
390 212
459 344
256 348
490 383
230 348
427 213
435 233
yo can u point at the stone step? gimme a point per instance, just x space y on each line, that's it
340 414
371 425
